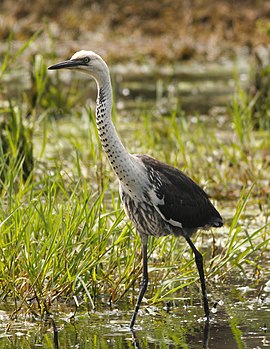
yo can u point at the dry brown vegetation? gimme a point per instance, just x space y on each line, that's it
164 30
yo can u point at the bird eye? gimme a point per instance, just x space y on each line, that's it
86 60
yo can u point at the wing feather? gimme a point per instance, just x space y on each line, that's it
179 200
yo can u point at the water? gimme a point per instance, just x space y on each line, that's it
196 88
234 326
239 320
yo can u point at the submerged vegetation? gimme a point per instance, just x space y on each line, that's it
64 236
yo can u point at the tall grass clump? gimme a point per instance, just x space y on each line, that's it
259 92
241 114
16 148
59 240
44 248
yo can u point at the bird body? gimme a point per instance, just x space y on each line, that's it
158 198
174 203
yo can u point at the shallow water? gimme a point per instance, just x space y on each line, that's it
239 320
233 326
194 87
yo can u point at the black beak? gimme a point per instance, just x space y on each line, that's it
72 63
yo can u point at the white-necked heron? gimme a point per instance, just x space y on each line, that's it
158 198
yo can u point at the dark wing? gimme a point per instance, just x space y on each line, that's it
183 201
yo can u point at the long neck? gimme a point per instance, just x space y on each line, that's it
121 161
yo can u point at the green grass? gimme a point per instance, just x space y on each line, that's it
63 231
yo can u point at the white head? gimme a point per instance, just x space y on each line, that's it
88 62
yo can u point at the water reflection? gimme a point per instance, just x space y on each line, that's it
205 335
236 326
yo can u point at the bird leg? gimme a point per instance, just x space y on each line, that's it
206 335
144 282
199 263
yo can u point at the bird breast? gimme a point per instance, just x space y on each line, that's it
145 217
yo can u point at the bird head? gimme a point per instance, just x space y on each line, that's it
88 62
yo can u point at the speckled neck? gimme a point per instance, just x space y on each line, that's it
123 164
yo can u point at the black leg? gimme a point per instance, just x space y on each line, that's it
199 263
143 283
206 335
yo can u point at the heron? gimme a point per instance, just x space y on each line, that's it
159 199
